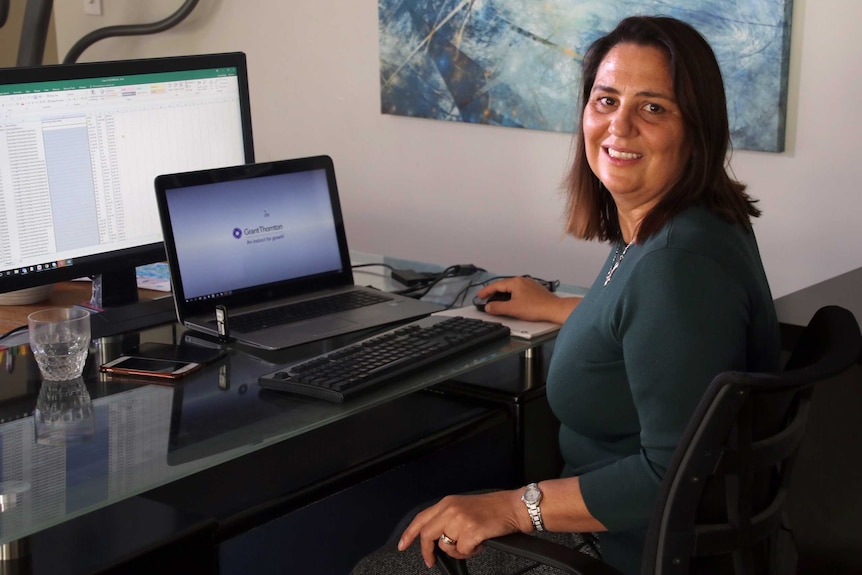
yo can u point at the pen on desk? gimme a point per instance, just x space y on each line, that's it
222 323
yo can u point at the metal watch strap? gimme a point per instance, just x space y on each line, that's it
534 509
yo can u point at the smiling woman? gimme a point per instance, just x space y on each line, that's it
634 133
634 356
663 92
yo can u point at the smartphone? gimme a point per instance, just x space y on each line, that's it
149 367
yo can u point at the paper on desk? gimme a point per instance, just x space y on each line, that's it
519 328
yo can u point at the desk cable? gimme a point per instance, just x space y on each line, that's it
550 285
12 332
421 283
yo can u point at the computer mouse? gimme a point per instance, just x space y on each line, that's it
480 302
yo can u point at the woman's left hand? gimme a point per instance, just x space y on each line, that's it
466 521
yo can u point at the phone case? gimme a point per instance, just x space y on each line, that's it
126 371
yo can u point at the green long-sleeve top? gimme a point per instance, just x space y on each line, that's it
635 356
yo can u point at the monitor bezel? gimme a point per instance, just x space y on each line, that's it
122 260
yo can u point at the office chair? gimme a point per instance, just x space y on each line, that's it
721 505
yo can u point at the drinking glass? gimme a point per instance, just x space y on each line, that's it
60 339
64 413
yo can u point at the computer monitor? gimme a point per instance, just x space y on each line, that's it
80 147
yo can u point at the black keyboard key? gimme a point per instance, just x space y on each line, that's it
365 364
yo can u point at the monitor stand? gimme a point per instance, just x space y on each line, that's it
116 308
115 289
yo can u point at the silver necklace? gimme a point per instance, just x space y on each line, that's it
618 259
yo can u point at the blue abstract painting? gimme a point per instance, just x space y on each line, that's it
516 63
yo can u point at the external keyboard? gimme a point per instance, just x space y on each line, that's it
299 311
338 375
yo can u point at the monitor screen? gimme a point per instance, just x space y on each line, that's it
80 147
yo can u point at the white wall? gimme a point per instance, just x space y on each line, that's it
458 193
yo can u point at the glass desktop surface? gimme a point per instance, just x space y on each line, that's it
146 435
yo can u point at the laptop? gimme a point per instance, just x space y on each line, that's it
259 238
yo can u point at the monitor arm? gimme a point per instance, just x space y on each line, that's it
34 32
4 11
37 17
129 30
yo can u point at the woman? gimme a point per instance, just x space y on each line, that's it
681 297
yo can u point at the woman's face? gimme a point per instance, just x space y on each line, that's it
633 128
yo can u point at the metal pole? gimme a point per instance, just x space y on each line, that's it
34 32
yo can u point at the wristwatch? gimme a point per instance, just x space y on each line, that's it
532 497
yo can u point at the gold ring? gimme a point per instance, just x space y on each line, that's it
447 540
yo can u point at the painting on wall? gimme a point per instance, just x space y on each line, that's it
516 63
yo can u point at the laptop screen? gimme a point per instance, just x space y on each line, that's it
251 232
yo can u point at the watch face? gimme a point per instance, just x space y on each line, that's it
532 494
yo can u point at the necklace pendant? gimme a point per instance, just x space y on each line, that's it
618 259
611 271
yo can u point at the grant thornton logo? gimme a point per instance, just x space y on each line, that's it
237 233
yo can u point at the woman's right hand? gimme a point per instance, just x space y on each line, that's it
530 301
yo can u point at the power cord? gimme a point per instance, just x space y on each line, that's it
12 332
413 280
462 270
419 284
405 277
550 285
387 266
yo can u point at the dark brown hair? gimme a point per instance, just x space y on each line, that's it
699 90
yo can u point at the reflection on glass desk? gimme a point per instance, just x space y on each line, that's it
141 436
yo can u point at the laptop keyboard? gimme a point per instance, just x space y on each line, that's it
290 313
358 367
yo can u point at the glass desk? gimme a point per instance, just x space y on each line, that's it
142 436
132 437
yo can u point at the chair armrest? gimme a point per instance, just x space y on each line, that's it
533 548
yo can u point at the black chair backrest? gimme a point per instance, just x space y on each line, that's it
722 502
